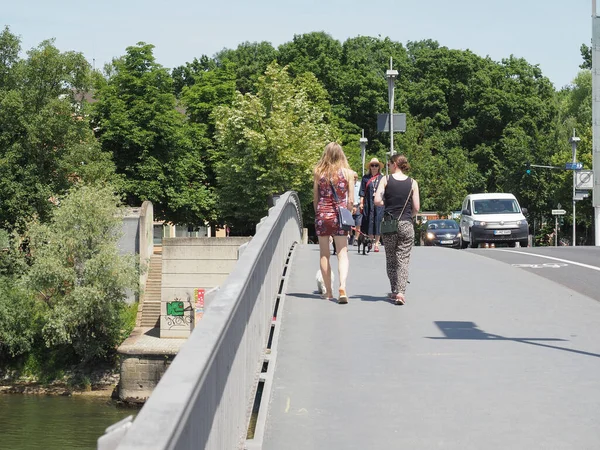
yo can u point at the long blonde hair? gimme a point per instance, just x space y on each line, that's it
332 160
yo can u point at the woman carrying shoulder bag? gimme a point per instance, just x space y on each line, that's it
333 187
400 195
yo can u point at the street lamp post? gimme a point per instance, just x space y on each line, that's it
391 77
574 140
363 149
596 121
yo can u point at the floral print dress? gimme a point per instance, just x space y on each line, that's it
326 218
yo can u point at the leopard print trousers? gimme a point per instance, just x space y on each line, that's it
397 255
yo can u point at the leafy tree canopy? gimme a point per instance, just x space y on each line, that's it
154 147
268 143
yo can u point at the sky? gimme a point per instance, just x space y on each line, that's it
548 33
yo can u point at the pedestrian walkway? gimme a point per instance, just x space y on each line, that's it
482 356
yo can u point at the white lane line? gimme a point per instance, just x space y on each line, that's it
587 266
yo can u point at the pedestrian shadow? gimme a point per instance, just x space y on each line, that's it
469 331
316 295
373 298
364 298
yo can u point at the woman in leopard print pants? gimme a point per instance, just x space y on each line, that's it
400 195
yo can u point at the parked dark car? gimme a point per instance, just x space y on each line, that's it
444 233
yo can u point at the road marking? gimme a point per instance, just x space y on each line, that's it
587 266
287 405
541 266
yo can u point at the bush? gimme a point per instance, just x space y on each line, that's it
79 275
18 319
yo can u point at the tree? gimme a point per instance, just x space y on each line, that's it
40 121
79 277
250 60
268 143
10 46
161 157
185 76
586 54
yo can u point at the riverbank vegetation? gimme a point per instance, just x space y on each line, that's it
210 141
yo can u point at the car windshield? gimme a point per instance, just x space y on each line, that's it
496 206
442 225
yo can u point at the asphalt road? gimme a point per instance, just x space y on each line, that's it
484 355
577 268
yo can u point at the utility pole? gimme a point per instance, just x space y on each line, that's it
363 149
596 120
391 77
574 140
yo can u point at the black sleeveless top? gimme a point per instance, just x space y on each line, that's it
394 198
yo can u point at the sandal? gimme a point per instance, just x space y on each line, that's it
399 300
376 249
343 297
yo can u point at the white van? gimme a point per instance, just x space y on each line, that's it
496 218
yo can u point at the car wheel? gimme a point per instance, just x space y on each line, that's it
512 244
524 243
472 242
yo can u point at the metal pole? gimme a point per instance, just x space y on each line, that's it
596 121
574 139
391 94
556 231
391 75
363 150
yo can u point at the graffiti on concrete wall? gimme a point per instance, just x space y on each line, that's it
176 313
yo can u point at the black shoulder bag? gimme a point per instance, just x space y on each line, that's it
345 219
389 225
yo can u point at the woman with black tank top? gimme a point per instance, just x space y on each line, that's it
400 195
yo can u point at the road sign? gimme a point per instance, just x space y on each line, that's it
584 179
580 195
573 166
558 212
383 122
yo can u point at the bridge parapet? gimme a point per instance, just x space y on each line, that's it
204 399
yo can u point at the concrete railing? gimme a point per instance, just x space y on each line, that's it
204 400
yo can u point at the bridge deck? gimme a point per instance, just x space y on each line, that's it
483 356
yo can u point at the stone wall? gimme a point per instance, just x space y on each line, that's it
189 264
140 374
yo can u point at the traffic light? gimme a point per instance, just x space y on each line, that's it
528 168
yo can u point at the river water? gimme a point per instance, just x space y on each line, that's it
55 423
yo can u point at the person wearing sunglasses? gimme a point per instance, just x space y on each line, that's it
372 215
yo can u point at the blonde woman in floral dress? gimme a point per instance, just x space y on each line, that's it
332 171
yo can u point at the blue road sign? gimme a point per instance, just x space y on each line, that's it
573 166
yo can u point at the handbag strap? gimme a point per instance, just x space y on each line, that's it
335 196
407 197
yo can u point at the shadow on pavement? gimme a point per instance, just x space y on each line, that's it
470 331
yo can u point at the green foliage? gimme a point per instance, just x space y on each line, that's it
79 277
186 75
250 60
128 318
268 143
586 54
19 320
154 148
42 122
